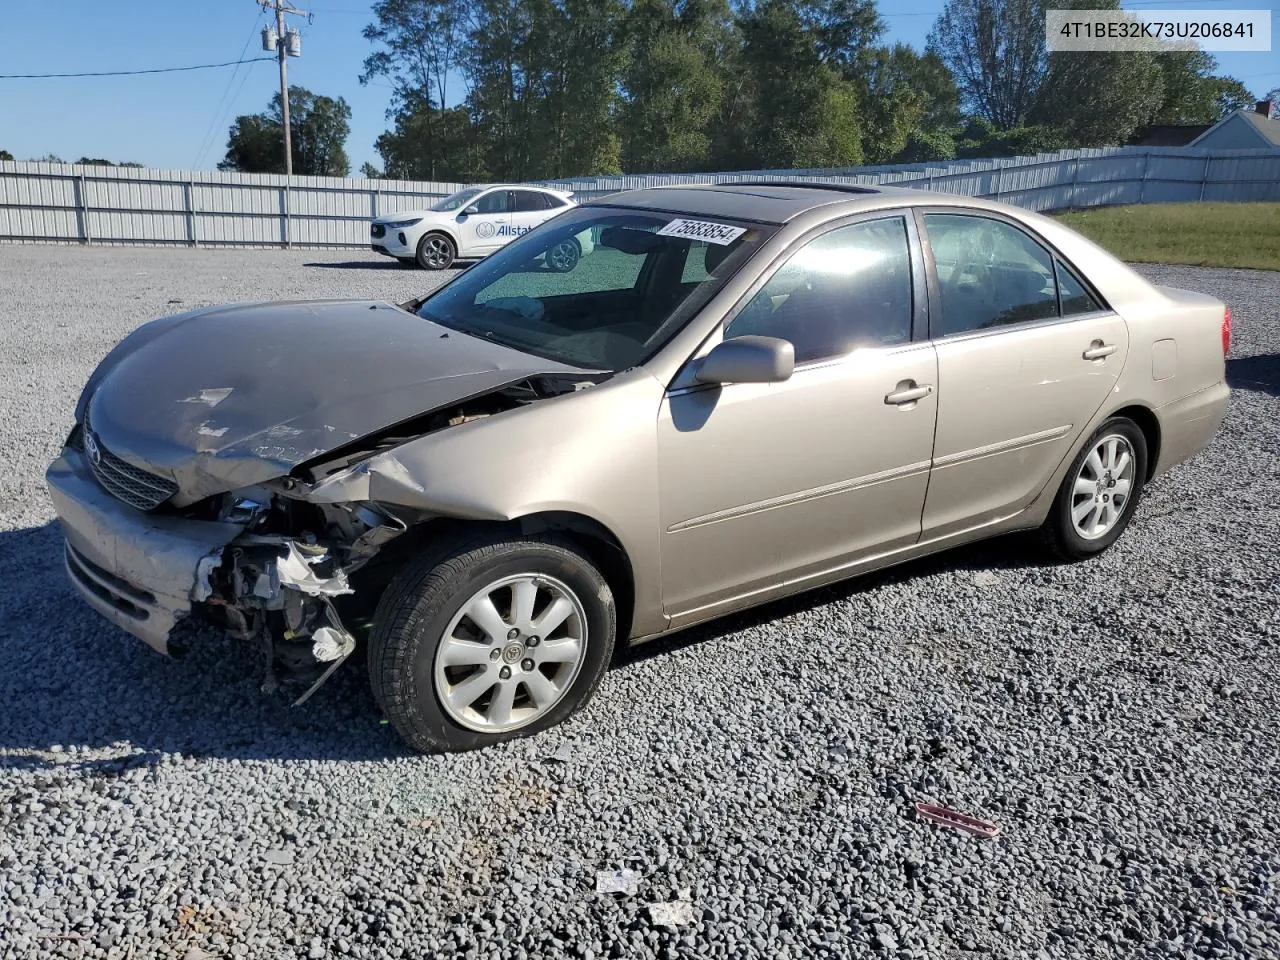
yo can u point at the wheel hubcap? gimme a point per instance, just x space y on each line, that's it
562 256
1100 494
437 251
511 653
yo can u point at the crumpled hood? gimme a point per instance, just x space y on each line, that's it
232 396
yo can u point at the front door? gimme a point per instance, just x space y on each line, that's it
488 229
767 484
1026 357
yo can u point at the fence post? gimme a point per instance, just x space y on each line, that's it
1075 185
1142 187
284 216
82 208
188 192
1204 176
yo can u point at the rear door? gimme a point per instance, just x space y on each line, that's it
487 229
1027 354
528 209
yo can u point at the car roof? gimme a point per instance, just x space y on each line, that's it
761 202
521 186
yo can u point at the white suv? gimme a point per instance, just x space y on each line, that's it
473 223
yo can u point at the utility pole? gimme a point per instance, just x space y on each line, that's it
286 43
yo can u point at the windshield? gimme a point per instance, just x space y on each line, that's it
456 200
596 287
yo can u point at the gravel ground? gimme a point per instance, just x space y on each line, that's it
1116 718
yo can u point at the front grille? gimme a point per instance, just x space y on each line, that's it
124 481
378 230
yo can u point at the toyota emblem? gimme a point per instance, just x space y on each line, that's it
92 449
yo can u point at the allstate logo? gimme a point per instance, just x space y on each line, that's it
484 230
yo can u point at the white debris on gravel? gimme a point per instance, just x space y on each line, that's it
1117 718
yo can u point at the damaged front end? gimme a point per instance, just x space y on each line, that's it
282 581
287 564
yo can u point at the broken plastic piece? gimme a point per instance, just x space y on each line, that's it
625 882
677 913
328 643
294 570
957 820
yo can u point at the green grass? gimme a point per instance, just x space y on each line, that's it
1201 234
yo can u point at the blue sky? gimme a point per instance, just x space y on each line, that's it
180 121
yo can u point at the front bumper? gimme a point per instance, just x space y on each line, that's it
141 571
379 248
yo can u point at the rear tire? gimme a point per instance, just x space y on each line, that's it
436 252
564 256
1099 493
447 682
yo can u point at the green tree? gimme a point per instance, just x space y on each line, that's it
672 84
996 51
5 155
904 93
981 138
1099 99
319 129
1230 95
421 43
456 152
803 113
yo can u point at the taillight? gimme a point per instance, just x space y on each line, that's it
1226 330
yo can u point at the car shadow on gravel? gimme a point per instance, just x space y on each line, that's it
1014 551
80 692
387 264
77 690
1260 373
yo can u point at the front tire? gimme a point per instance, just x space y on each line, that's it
436 252
1099 492
492 639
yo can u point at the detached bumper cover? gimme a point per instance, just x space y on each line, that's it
141 571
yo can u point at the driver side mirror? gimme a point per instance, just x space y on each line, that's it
748 360
471 210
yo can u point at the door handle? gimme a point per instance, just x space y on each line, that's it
1097 350
907 391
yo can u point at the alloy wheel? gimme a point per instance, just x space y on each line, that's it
510 653
437 252
1102 486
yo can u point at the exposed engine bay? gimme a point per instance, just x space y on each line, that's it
299 579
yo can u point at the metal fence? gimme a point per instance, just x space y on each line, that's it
50 202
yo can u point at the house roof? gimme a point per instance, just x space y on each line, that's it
1169 134
1268 130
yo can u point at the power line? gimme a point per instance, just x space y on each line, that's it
127 73
208 139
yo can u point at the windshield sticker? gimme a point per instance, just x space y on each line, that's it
718 233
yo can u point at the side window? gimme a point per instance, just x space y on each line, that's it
847 288
494 202
529 201
1075 298
990 274
551 201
